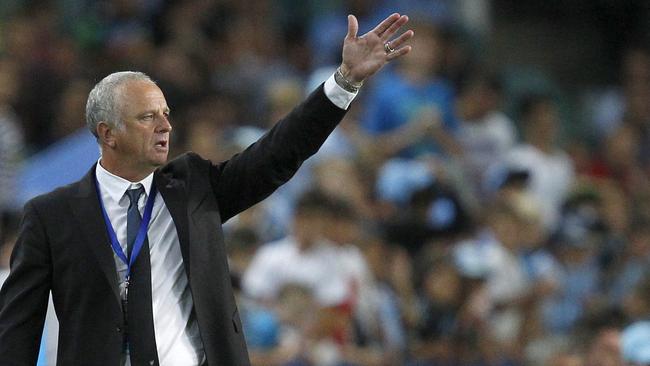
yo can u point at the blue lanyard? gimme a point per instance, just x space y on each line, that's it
142 232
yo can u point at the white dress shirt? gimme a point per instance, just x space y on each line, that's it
178 341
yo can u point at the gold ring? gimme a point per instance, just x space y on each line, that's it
388 48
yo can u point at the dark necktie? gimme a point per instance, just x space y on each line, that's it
133 218
142 339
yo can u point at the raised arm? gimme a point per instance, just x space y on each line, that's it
254 174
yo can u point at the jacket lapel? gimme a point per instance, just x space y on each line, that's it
173 193
87 212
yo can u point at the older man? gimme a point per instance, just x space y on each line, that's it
133 253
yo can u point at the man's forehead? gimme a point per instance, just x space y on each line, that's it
139 87
136 92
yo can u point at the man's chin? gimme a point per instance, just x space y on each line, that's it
159 161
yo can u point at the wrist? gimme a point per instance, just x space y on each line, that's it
345 71
345 81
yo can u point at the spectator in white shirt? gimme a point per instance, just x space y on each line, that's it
303 258
486 134
550 168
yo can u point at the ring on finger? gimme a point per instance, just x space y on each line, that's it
388 48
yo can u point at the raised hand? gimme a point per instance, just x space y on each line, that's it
363 56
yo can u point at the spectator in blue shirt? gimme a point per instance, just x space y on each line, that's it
412 96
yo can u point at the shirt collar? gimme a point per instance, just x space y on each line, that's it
116 186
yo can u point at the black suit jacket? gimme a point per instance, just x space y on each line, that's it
63 247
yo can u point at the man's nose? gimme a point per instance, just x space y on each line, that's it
163 124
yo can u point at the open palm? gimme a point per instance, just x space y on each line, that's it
364 56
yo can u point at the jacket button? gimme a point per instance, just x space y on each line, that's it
118 329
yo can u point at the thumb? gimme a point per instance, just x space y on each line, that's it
353 27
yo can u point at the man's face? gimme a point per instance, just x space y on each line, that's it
308 227
544 121
144 135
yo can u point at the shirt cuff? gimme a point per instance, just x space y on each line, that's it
337 95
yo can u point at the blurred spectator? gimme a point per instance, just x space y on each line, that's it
341 178
259 321
620 160
624 103
253 58
433 217
637 305
44 57
182 88
566 359
127 37
72 108
413 99
495 253
550 168
632 264
398 179
636 343
242 245
486 134
328 265
373 309
507 284
453 318
209 121
304 258
577 248
388 270
605 349
11 137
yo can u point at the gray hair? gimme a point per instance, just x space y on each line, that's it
104 103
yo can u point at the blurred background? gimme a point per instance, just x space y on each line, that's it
485 202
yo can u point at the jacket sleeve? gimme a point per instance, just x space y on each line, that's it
24 295
254 174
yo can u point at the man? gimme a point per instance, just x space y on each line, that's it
155 289
550 168
305 257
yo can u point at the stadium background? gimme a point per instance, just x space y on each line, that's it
485 201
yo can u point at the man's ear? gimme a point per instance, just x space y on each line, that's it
106 134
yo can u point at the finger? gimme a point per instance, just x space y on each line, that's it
353 27
381 27
392 29
398 53
399 41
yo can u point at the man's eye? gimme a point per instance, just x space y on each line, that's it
147 117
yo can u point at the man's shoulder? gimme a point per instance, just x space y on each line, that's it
184 164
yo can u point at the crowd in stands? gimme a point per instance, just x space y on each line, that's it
436 227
